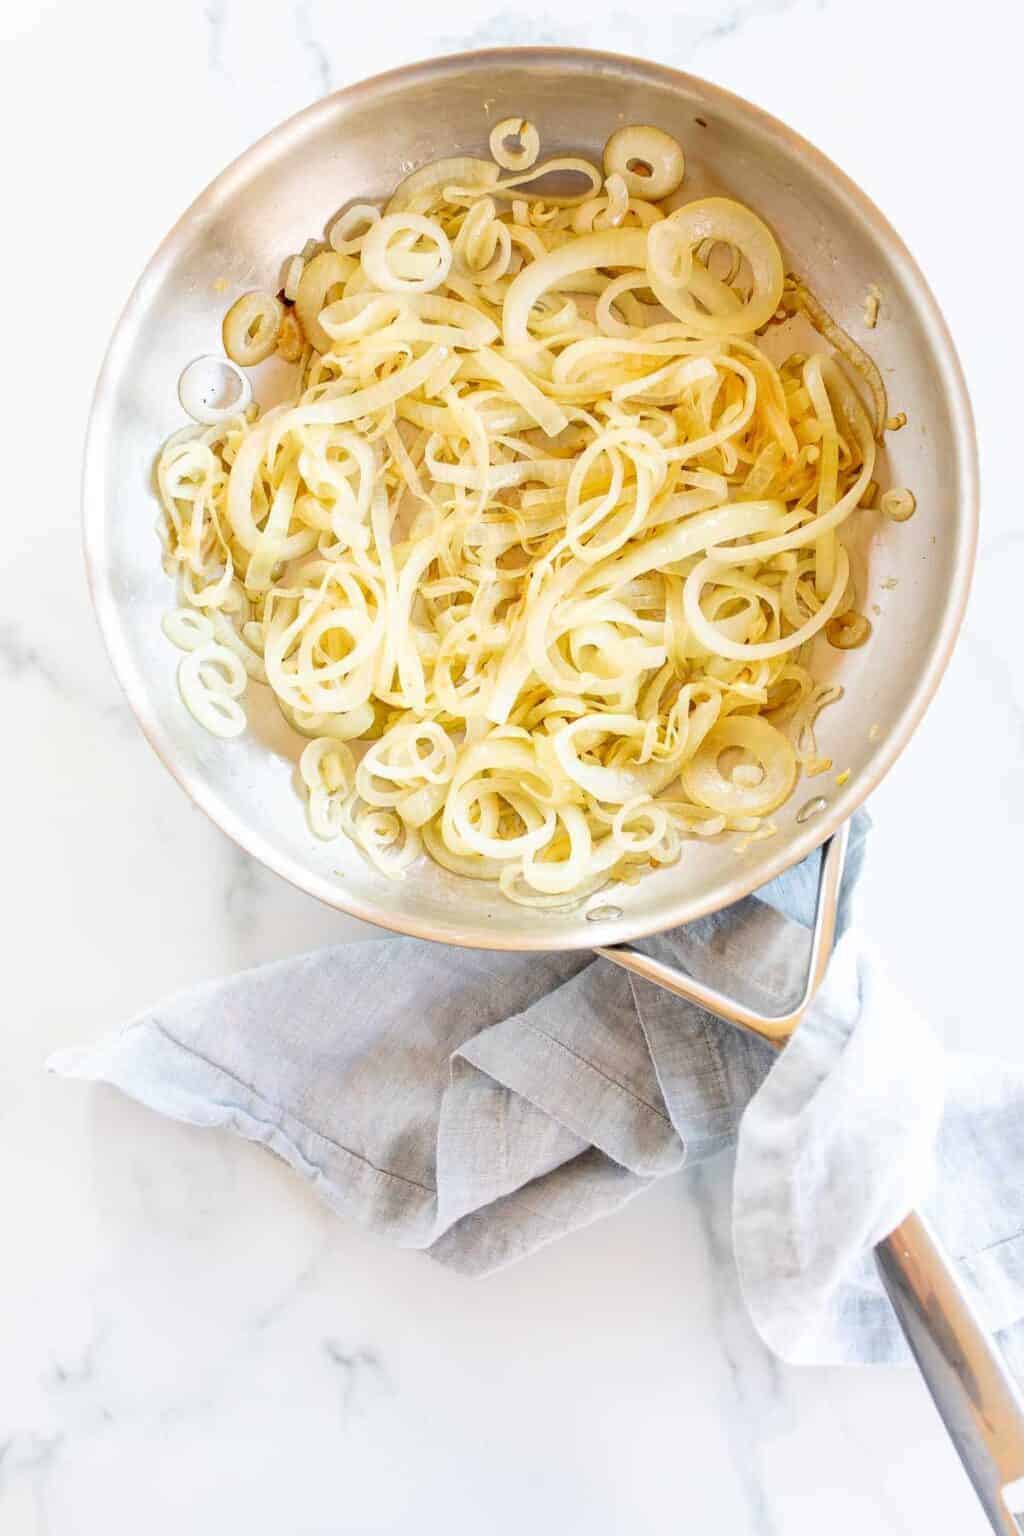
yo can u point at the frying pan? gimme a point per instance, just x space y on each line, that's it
358 144
913 578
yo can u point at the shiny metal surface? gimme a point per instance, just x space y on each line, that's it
358 143
773 1027
966 1374
970 1382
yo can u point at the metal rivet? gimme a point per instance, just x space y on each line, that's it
811 808
602 914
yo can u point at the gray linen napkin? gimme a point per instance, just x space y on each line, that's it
479 1104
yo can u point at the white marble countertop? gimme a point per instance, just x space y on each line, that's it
188 1340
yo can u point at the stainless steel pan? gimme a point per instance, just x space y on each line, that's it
358 144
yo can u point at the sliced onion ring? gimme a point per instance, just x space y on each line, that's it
704 781
638 146
529 144
205 380
351 227
251 328
384 273
614 248
420 189
322 279
670 251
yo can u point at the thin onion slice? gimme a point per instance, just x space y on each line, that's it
422 188
616 248
322 278
512 158
672 270
251 328
384 270
203 383
648 160
736 794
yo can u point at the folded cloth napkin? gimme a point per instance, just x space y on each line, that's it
479 1104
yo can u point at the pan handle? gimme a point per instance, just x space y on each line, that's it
964 1370
774 1027
977 1397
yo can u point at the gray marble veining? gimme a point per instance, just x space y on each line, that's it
189 1341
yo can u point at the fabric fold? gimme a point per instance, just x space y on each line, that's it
479 1105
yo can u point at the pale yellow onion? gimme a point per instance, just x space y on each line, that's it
548 415
210 679
381 268
186 628
388 842
586 860
395 315
716 218
616 248
251 328
329 764
712 638
855 419
419 806
344 726
510 882
225 632
511 159
338 409
898 504
704 781
351 227
492 552
848 631
482 249
618 200
615 786
422 187
598 213
292 277
509 185
326 813
659 154
321 277
470 866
